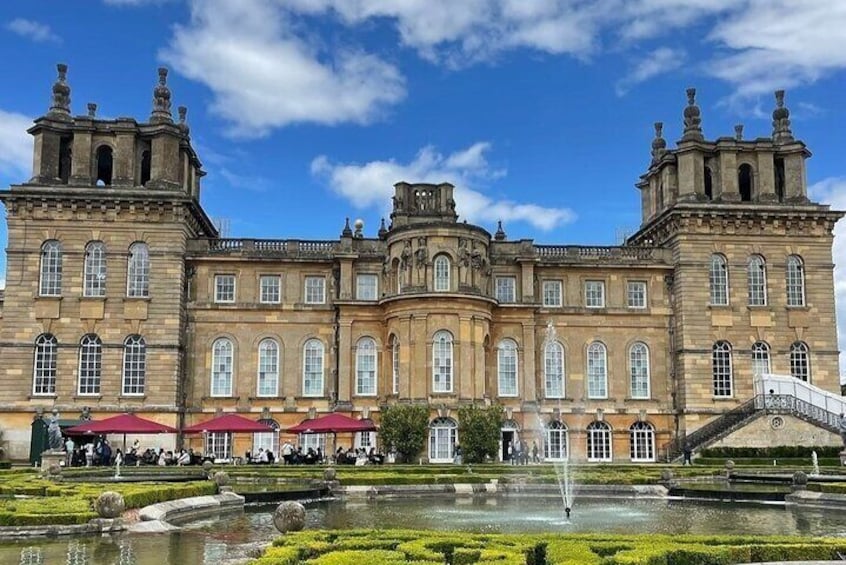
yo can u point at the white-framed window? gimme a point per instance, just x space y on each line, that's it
50 283
46 360
315 442
639 370
94 283
506 289
270 289
219 444
442 362
795 281
364 440
134 365
138 271
366 287
595 294
507 367
553 370
597 370
718 281
442 268
90 364
760 358
395 364
224 289
636 294
365 367
269 441
222 367
268 368
443 435
555 446
598 441
756 274
721 369
313 368
642 442
315 290
552 294
800 365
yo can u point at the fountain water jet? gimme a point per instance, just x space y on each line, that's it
562 468
815 464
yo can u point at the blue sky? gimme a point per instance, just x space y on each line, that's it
305 112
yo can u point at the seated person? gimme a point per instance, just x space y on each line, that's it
183 459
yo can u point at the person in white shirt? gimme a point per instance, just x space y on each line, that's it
184 458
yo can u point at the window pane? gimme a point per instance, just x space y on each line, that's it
134 365
314 287
597 375
721 369
224 288
442 362
554 370
595 294
799 364
94 284
365 367
313 368
636 293
718 281
366 287
90 364
270 289
507 368
639 370
795 281
138 271
222 358
51 269
552 293
505 289
268 376
442 268
756 273
46 350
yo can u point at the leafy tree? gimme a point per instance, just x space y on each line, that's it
479 431
405 427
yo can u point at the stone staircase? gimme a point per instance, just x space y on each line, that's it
774 394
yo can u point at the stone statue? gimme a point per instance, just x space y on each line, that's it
54 432
405 255
464 260
421 255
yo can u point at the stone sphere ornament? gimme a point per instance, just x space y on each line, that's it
289 517
800 479
329 474
54 470
221 478
207 466
109 504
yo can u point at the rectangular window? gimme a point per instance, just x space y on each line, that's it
270 289
219 444
595 294
505 289
366 287
552 294
636 293
224 289
315 290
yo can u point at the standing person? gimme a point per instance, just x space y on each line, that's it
535 458
688 455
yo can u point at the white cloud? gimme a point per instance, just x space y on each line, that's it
660 61
33 30
15 146
371 185
263 76
833 191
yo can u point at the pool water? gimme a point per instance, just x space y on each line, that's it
230 538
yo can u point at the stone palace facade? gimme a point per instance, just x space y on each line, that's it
121 296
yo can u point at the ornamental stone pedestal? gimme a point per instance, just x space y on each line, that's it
50 458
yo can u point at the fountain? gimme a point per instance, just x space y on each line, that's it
562 468
815 464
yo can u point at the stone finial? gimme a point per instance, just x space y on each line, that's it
61 94
500 234
383 231
692 119
347 232
659 144
359 227
183 114
781 120
161 100
92 110
738 132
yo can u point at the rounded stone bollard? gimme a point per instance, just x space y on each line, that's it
54 470
289 517
329 474
221 478
109 504
800 479
207 466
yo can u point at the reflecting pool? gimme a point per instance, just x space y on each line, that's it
229 538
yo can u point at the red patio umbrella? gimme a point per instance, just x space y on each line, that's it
121 424
229 423
332 423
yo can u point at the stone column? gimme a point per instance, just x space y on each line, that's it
729 190
124 160
527 280
794 177
766 177
344 354
690 176
81 159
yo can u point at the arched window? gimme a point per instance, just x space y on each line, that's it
709 184
269 441
268 368
553 369
800 364
134 365
506 357
639 370
95 269
145 167
756 274
442 273
90 364
598 441
555 446
313 368
51 269
597 371
222 367
760 358
718 280
721 369
365 367
104 166
443 435
744 182
795 281
138 271
442 362
395 363
46 354
65 158
642 442
778 170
